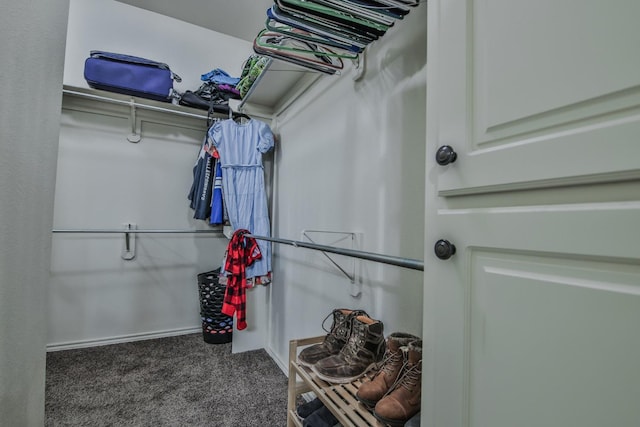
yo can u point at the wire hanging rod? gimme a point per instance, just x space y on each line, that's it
413 264
410 263
133 231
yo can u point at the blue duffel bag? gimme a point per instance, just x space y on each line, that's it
129 75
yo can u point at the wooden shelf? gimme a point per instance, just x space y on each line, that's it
339 398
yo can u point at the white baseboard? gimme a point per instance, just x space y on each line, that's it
284 366
121 339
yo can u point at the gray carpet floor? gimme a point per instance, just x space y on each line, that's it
176 381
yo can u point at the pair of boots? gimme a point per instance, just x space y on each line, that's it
354 345
394 392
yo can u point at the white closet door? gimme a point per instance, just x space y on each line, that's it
535 320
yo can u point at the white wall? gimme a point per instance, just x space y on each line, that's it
351 158
103 180
112 26
32 36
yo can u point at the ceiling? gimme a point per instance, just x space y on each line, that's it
238 18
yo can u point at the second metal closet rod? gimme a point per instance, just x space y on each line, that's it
413 264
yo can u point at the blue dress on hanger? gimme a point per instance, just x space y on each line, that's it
241 146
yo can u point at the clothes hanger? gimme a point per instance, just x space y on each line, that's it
278 41
357 10
308 59
240 117
316 10
210 118
321 27
291 31
235 116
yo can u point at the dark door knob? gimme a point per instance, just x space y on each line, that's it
444 249
445 155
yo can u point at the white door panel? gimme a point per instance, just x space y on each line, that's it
582 229
528 85
534 320
534 61
511 266
553 342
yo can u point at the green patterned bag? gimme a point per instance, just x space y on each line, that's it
253 67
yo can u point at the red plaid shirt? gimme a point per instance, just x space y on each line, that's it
241 252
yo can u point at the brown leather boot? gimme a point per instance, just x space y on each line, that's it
371 391
403 400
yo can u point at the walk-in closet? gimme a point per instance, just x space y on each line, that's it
454 194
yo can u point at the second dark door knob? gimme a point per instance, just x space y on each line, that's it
444 249
445 155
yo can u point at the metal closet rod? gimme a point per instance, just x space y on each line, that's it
135 231
413 264
410 263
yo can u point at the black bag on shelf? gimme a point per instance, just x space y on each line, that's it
191 99
206 97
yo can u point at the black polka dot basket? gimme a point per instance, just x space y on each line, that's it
217 328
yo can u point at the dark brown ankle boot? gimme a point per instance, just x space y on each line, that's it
371 391
403 400
335 339
363 351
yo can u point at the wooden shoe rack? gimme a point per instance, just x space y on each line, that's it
339 398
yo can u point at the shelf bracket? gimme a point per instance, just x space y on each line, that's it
135 135
129 243
360 65
345 235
